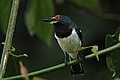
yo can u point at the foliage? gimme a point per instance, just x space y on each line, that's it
93 48
36 12
5 6
113 59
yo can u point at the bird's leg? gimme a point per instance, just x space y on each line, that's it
80 57
66 60
76 68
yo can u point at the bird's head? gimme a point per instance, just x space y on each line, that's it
58 19
61 22
63 25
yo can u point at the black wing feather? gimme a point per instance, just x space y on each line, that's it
79 33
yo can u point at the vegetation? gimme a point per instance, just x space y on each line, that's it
35 12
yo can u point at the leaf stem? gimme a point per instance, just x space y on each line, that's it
59 66
9 37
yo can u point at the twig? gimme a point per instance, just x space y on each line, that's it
59 66
9 36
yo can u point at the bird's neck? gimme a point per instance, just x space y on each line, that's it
62 30
63 33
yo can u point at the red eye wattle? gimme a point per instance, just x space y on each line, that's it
57 17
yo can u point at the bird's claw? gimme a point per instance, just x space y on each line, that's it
80 57
66 62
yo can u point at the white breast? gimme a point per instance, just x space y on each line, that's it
70 44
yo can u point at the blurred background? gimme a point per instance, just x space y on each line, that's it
96 19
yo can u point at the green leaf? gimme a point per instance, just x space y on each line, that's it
5 6
116 79
36 12
90 4
95 51
82 48
115 55
109 63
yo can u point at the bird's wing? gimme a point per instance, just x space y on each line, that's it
79 32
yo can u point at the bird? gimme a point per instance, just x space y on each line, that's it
69 38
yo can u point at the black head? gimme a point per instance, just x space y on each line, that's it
63 25
61 22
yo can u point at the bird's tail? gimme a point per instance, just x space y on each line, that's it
77 69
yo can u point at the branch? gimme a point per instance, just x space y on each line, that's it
9 36
60 66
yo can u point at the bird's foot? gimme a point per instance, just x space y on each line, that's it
80 57
66 61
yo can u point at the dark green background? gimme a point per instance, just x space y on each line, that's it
42 56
